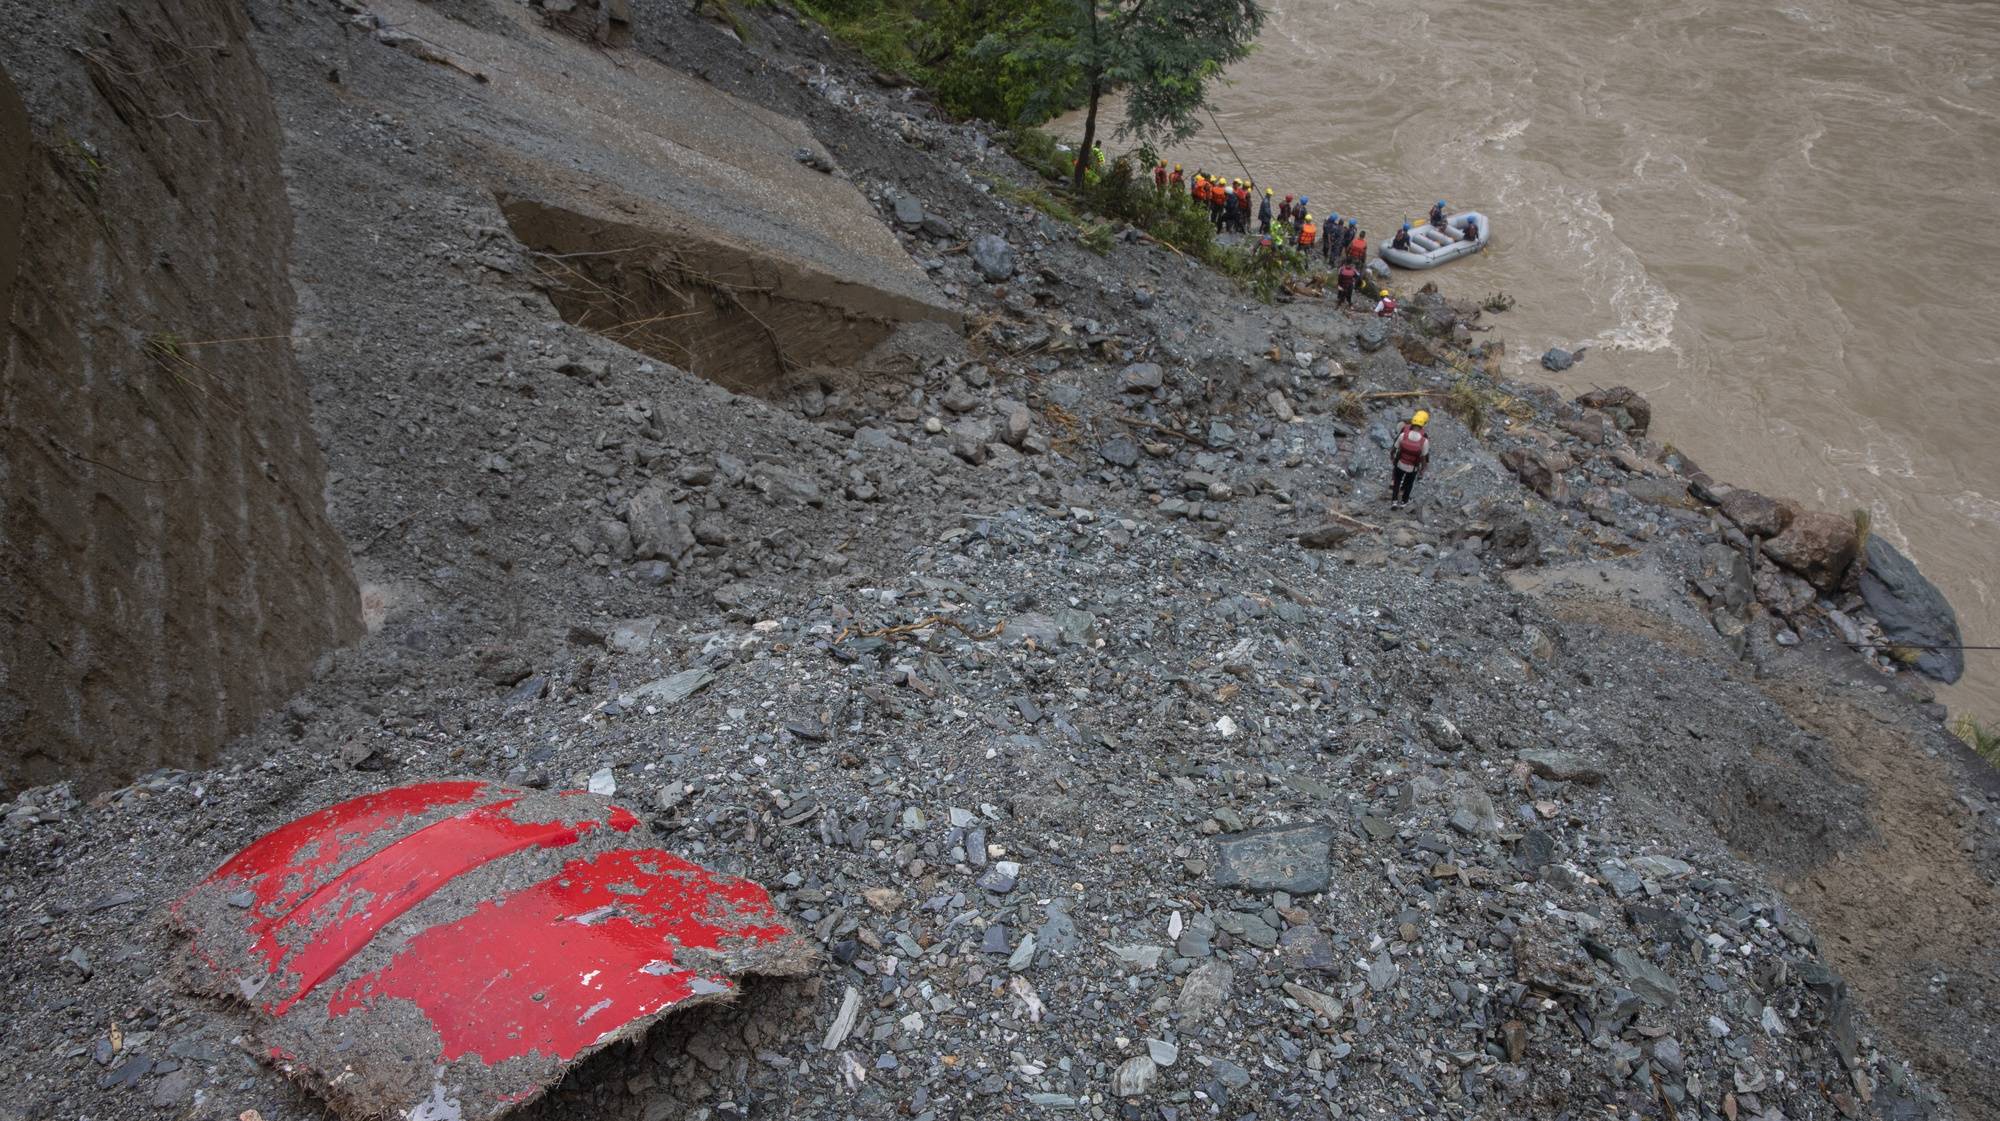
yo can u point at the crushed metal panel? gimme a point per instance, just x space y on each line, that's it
449 949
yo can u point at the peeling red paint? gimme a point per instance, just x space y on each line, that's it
546 969
350 909
521 927
283 866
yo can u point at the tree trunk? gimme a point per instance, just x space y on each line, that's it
1096 70
1089 136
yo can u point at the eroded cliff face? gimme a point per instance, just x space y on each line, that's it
166 561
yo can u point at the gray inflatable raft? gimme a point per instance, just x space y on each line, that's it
1431 247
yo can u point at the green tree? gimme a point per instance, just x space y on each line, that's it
1161 53
938 42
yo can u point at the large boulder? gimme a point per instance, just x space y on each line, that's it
1513 540
993 257
1142 377
1540 470
1911 610
1623 405
661 528
1756 514
1818 546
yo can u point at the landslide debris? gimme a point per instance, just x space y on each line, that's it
1024 668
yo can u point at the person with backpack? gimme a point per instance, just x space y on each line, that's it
1344 285
1408 457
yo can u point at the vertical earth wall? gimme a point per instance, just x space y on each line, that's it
167 568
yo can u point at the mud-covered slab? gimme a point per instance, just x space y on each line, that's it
449 949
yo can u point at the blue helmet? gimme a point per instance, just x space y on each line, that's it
1406 225
1303 200
1440 202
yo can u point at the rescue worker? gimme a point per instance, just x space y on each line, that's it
1285 209
1408 457
1097 156
1472 229
1329 235
1386 306
1345 282
1308 234
1402 238
1357 250
1264 214
1177 181
1438 214
1160 176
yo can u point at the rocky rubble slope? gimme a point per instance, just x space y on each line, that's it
1070 681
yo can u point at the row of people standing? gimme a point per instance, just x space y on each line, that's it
1288 221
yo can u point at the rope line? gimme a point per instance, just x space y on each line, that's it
1913 646
1232 145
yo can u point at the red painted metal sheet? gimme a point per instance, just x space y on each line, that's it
546 969
465 941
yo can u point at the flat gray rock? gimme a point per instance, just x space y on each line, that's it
1562 766
1289 858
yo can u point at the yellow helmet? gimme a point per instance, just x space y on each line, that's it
1267 190
1177 167
1422 418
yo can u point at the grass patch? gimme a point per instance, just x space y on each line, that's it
1037 197
1470 404
1978 737
82 162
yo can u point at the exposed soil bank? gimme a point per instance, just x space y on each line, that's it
163 544
737 317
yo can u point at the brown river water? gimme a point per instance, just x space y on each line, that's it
1778 220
